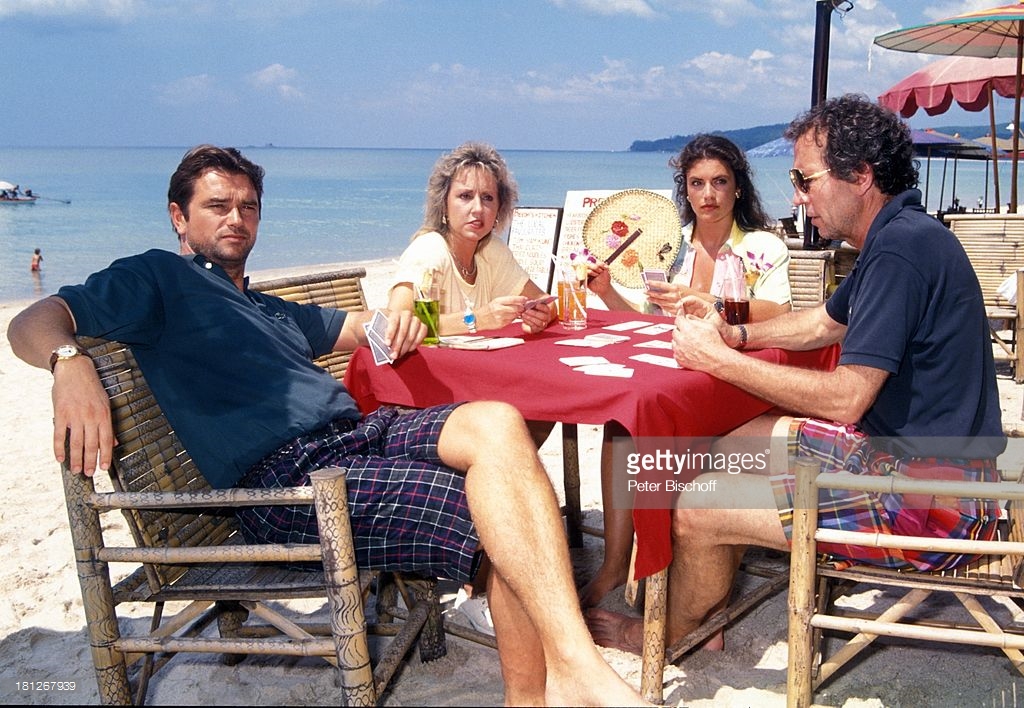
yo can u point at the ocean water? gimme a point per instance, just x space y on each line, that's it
321 205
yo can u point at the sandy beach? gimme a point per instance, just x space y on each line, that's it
43 637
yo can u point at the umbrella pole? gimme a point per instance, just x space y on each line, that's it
1016 119
995 150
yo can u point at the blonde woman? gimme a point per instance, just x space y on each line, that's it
470 198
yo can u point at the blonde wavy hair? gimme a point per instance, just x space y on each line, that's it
468 155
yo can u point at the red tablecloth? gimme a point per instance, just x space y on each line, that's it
655 402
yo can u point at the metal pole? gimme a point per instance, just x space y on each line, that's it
819 83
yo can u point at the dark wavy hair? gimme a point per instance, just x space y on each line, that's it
854 132
202 158
749 212
467 155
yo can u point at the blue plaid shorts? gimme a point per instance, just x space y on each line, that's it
408 511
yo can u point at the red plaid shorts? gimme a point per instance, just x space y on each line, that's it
845 448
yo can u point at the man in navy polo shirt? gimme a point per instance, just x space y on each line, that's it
232 370
914 393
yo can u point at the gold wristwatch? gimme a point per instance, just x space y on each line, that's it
64 352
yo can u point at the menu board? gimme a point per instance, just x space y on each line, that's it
532 238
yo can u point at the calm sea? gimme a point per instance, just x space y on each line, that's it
320 205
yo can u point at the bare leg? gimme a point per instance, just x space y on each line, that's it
618 531
533 597
706 530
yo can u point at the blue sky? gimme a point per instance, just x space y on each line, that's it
522 74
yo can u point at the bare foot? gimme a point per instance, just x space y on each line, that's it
716 642
600 585
611 629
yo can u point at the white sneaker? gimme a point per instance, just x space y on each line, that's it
477 611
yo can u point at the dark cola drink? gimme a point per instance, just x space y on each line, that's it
737 311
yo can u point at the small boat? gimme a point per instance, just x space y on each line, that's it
12 194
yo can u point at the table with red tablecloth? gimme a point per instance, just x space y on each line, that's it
656 402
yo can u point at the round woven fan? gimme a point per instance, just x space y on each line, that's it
610 232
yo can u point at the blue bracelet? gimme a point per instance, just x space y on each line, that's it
743 336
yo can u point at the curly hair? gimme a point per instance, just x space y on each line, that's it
467 155
749 212
202 158
854 132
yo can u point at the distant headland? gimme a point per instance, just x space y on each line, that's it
749 138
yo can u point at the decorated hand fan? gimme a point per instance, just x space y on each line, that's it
632 230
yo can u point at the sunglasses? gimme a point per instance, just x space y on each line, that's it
804 183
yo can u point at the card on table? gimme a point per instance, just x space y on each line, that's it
625 326
616 370
659 328
599 339
575 361
657 360
654 344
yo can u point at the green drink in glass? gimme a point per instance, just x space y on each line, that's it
428 312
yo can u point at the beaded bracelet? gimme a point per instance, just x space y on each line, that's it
743 336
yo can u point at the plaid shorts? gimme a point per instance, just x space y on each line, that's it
408 511
845 448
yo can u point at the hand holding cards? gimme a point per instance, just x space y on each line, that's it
376 331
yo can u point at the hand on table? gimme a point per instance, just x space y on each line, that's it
405 332
500 311
537 318
700 334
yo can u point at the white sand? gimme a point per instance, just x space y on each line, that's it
42 626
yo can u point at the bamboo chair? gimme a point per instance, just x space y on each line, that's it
188 549
997 572
341 289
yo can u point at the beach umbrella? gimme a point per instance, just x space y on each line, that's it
996 32
970 81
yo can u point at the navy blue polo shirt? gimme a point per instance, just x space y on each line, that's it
232 371
913 307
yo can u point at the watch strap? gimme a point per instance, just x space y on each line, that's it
55 356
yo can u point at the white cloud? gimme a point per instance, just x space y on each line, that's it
120 10
638 8
277 78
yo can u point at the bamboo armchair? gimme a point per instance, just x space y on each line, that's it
187 550
341 289
997 572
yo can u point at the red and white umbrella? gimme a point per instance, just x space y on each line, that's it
995 32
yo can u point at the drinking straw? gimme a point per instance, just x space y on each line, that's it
571 280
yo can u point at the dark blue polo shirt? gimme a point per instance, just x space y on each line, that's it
913 307
232 371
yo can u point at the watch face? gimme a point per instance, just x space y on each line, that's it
66 350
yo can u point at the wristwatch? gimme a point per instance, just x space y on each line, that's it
63 352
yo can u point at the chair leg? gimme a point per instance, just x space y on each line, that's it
801 586
432 644
348 623
97 596
230 618
655 614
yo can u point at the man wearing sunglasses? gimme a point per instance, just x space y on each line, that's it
914 393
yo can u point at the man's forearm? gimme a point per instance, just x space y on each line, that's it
35 332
